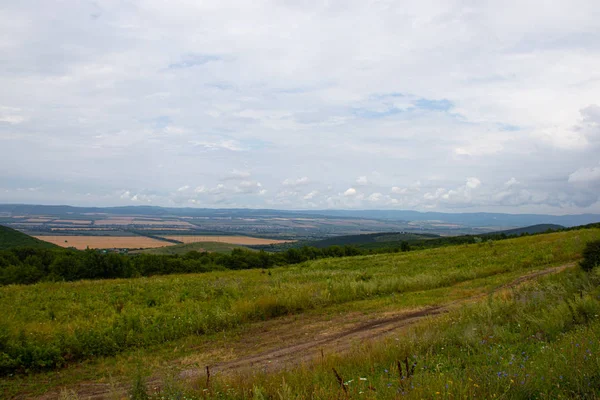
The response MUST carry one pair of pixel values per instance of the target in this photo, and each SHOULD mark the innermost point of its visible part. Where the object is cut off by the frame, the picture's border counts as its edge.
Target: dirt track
(299, 350)
(298, 353)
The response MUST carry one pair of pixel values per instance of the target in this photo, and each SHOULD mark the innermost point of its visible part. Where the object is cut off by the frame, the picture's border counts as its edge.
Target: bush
(591, 256)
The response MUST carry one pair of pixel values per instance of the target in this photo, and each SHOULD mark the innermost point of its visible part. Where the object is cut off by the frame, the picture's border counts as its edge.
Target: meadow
(51, 325)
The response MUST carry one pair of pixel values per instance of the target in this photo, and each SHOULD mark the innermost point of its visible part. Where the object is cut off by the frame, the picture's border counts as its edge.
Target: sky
(455, 106)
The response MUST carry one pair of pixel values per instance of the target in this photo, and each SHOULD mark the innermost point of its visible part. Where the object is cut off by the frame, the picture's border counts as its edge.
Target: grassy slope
(114, 315)
(540, 228)
(541, 341)
(371, 239)
(10, 238)
(180, 249)
(159, 309)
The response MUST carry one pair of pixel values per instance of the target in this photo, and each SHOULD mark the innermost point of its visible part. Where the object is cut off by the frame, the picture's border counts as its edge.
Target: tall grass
(542, 341)
(50, 324)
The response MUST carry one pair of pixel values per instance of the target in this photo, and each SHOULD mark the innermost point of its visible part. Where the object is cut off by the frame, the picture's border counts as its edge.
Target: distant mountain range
(465, 219)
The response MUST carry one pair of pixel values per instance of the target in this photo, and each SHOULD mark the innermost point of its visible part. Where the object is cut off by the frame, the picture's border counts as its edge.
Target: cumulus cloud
(310, 195)
(248, 186)
(350, 192)
(473, 183)
(375, 197)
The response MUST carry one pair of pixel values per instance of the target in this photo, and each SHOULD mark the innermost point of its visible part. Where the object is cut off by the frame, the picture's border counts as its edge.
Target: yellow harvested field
(131, 221)
(72, 221)
(114, 221)
(105, 242)
(38, 220)
(242, 240)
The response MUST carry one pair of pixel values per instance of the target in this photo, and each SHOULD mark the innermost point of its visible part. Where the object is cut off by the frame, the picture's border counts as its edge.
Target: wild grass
(541, 341)
(47, 325)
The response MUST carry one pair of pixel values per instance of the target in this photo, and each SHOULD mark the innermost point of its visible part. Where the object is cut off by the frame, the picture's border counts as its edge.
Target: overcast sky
(429, 105)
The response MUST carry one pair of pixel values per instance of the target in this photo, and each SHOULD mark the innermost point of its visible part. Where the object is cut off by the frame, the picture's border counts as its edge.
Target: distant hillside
(372, 240)
(10, 238)
(180, 249)
(540, 228)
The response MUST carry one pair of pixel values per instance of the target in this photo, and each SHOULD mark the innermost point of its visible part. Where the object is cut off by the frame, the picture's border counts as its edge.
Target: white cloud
(585, 175)
(511, 182)
(350, 192)
(375, 197)
(11, 115)
(473, 183)
(311, 195)
(296, 182)
(362, 181)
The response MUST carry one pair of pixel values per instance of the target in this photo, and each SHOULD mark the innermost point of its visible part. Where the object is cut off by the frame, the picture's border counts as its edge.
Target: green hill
(10, 238)
(372, 240)
(180, 249)
(540, 228)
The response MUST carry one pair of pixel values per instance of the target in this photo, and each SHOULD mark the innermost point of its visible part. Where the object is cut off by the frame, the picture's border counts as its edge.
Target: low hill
(372, 240)
(180, 249)
(540, 228)
(10, 238)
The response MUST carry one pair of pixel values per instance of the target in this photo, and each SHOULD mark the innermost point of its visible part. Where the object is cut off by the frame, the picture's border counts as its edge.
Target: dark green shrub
(591, 256)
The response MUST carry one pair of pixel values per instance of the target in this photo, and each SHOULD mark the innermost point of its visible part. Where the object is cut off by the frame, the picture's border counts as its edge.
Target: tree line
(31, 265)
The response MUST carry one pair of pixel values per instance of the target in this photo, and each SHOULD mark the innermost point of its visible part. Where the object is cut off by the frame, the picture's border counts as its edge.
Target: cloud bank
(444, 105)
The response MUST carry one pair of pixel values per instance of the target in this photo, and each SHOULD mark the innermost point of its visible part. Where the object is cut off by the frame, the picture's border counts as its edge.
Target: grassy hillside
(181, 249)
(512, 344)
(372, 240)
(142, 312)
(533, 229)
(10, 238)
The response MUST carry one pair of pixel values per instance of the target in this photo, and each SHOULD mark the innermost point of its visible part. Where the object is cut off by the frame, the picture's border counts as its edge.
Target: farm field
(178, 324)
(104, 242)
(241, 240)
